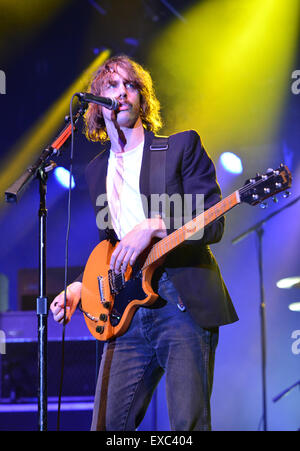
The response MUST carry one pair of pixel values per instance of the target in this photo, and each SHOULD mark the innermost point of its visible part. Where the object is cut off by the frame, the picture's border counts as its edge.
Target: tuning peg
(263, 205)
(286, 194)
(274, 199)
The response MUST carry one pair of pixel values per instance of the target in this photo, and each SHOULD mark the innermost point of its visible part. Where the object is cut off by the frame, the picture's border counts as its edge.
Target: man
(178, 334)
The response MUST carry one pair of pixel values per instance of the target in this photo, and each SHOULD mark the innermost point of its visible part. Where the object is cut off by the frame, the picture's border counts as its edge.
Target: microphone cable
(66, 265)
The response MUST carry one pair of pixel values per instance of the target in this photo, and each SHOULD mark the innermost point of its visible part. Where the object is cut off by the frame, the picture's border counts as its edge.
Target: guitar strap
(158, 156)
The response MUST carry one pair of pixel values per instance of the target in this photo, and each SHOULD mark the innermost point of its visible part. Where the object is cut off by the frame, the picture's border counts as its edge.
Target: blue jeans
(160, 339)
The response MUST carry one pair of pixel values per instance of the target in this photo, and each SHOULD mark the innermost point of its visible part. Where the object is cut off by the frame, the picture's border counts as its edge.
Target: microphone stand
(39, 170)
(259, 230)
(285, 392)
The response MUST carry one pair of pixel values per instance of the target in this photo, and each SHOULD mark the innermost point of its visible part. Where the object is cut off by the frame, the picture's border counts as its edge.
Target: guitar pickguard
(131, 291)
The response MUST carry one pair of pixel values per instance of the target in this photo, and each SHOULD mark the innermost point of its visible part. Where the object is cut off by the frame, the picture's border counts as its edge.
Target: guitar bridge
(101, 290)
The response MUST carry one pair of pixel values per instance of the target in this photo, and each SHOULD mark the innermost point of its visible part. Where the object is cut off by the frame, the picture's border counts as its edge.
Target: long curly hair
(95, 129)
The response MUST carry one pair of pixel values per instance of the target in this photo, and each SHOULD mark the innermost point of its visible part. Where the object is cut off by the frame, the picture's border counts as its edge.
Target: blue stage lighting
(63, 177)
(231, 162)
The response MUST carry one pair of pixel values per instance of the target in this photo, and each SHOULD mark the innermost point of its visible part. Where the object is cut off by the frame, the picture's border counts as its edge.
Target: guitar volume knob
(103, 317)
(100, 329)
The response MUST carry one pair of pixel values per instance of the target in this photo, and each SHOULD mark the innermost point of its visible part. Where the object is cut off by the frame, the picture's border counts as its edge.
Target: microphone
(111, 104)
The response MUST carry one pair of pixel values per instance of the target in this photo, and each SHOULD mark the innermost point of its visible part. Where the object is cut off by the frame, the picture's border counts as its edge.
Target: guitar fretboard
(170, 242)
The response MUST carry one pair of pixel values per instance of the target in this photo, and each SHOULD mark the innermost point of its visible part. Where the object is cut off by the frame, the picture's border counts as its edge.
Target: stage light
(289, 282)
(132, 41)
(63, 177)
(231, 162)
(294, 307)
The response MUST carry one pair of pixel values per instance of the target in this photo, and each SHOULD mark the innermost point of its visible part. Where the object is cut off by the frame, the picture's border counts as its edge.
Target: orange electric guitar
(109, 300)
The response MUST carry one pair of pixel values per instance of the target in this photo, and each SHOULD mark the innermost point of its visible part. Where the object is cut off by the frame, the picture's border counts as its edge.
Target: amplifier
(28, 284)
(19, 363)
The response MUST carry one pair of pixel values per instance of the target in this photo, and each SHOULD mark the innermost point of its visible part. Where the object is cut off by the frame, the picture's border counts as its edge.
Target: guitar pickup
(116, 281)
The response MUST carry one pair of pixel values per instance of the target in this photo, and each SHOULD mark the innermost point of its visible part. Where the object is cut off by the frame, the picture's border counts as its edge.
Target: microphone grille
(114, 104)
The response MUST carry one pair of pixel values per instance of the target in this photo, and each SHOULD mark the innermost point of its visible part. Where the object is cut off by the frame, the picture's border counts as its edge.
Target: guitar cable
(66, 265)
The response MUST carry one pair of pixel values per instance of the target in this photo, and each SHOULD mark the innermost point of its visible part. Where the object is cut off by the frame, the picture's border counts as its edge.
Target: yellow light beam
(37, 138)
(228, 70)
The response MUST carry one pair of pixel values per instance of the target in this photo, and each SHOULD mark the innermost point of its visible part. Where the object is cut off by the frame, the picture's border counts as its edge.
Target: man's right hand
(73, 298)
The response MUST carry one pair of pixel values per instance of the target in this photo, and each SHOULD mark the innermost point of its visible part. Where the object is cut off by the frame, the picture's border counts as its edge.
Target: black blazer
(191, 267)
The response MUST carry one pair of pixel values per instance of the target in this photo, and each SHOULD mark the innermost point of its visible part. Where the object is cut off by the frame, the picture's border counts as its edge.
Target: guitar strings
(249, 185)
(197, 219)
(169, 238)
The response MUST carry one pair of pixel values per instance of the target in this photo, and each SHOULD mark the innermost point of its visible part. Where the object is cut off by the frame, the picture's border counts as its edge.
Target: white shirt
(127, 211)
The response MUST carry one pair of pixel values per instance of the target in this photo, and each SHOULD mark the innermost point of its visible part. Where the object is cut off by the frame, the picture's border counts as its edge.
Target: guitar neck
(170, 242)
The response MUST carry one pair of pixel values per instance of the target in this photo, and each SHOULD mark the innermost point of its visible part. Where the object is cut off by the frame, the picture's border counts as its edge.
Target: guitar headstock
(263, 186)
